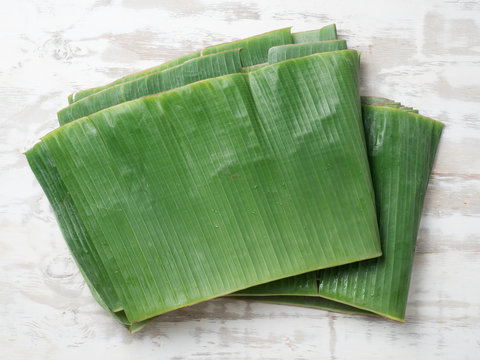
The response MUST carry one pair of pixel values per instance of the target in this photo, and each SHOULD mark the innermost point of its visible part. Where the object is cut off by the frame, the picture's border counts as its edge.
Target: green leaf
(401, 148)
(255, 52)
(216, 186)
(306, 284)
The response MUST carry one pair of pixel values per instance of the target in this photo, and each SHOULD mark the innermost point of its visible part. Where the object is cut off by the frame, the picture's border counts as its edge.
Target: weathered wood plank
(424, 54)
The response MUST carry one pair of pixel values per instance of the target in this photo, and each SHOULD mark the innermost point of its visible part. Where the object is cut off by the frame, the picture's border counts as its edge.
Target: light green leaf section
(326, 33)
(216, 186)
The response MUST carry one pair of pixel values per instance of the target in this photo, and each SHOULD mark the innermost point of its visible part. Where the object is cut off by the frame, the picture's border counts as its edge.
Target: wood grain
(423, 54)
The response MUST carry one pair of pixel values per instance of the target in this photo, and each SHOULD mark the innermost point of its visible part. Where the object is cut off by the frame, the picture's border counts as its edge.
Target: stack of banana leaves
(252, 169)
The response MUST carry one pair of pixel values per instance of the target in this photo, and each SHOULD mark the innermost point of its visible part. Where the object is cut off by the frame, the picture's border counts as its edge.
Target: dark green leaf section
(255, 52)
(326, 33)
(285, 52)
(218, 185)
(227, 62)
(401, 147)
(314, 302)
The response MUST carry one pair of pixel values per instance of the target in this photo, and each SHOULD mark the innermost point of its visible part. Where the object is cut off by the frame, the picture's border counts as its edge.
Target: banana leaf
(255, 52)
(197, 192)
(401, 148)
(280, 53)
(223, 63)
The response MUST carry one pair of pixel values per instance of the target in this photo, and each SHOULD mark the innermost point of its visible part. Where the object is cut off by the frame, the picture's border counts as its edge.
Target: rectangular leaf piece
(216, 186)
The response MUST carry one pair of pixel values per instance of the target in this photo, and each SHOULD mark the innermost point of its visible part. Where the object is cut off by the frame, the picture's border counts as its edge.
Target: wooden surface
(425, 54)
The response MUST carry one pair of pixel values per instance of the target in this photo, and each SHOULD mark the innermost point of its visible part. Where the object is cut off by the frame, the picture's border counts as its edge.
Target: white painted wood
(425, 54)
